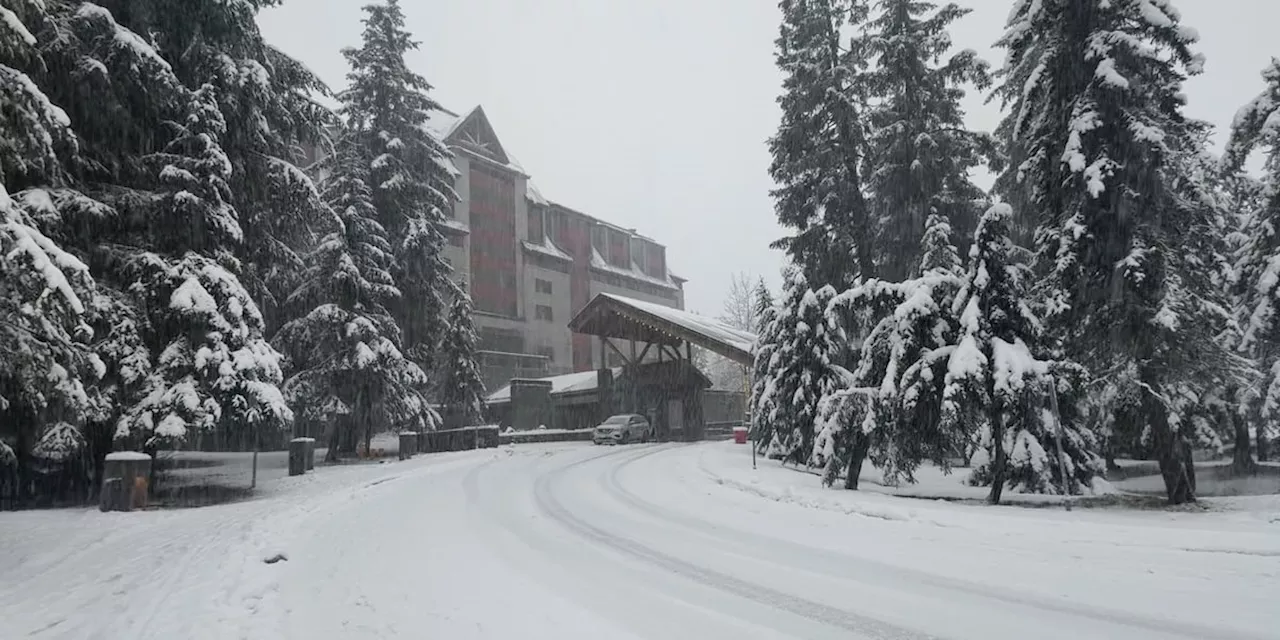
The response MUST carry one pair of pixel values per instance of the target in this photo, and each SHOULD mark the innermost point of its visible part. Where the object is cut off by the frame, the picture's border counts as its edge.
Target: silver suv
(621, 429)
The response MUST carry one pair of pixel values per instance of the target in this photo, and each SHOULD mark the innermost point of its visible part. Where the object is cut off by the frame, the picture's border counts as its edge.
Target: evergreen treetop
(919, 152)
(818, 148)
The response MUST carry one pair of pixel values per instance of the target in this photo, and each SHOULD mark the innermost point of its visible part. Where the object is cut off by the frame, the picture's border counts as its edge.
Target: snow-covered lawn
(568, 540)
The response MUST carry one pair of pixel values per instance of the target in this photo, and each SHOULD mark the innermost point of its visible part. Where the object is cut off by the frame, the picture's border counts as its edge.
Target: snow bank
(128, 456)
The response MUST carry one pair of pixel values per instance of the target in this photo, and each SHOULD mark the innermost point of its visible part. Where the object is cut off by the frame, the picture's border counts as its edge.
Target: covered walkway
(667, 387)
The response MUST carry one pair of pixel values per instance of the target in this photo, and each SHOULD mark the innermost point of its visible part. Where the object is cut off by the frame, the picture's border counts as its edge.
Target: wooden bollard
(297, 456)
(408, 444)
(311, 453)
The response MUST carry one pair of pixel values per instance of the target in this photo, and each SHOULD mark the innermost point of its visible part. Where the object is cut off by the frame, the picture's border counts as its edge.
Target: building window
(553, 223)
(600, 240)
(619, 254)
(638, 254)
(536, 234)
(501, 340)
(543, 312)
(542, 286)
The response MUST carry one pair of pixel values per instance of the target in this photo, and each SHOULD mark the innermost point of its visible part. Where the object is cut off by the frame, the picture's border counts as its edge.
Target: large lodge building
(531, 264)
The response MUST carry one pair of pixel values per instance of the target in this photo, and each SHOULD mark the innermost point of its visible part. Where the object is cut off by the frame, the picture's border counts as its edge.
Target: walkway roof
(613, 316)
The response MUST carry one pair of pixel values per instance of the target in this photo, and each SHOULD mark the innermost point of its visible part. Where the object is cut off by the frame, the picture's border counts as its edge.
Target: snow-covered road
(655, 541)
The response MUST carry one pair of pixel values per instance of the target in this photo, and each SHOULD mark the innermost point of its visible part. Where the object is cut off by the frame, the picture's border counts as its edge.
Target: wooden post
(257, 442)
(311, 453)
(297, 457)
(408, 444)
(1057, 436)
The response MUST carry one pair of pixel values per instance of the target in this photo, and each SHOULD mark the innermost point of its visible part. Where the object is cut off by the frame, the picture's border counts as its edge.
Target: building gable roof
(475, 133)
(613, 316)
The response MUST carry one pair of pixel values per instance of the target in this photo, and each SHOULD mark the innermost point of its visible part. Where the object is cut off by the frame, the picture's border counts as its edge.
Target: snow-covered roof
(443, 123)
(533, 194)
(600, 264)
(456, 225)
(710, 327)
(547, 248)
(560, 385)
(615, 316)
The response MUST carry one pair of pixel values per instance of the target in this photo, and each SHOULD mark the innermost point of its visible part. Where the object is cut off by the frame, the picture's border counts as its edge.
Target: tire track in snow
(901, 578)
(545, 496)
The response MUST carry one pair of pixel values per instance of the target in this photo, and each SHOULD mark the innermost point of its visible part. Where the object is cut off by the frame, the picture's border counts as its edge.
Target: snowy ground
(649, 541)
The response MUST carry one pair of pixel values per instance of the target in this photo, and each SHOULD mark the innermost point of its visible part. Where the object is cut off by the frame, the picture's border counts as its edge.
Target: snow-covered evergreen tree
(1257, 128)
(267, 102)
(1124, 237)
(161, 235)
(345, 347)
(461, 389)
(45, 363)
(819, 144)
(998, 383)
(767, 328)
(387, 105)
(801, 367)
(47, 370)
(213, 368)
(919, 153)
(891, 409)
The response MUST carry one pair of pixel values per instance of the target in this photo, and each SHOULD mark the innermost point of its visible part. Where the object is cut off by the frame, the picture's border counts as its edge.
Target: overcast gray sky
(653, 114)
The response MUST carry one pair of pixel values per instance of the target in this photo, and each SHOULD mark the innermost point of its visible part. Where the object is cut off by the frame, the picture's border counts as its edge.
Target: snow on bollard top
(127, 455)
(740, 429)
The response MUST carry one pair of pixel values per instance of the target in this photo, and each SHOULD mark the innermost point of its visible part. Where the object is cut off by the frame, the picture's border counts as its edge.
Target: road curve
(571, 541)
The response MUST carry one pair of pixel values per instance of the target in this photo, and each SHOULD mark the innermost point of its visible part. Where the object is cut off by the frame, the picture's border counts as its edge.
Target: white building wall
(553, 334)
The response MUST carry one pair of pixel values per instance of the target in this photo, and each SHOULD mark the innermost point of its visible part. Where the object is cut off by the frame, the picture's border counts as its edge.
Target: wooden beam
(674, 353)
(644, 351)
(617, 351)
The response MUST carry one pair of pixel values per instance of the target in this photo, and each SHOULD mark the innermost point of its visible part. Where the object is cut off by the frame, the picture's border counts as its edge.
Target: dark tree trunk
(1112, 467)
(335, 430)
(22, 450)
(1264, 448)
(98, 437)
(856, 457)
(1242, 461)
(1189, 463)
(999, 462)
(1172, 452)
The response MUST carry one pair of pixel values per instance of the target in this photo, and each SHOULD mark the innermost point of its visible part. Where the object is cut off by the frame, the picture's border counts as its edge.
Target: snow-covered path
(656, 541)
